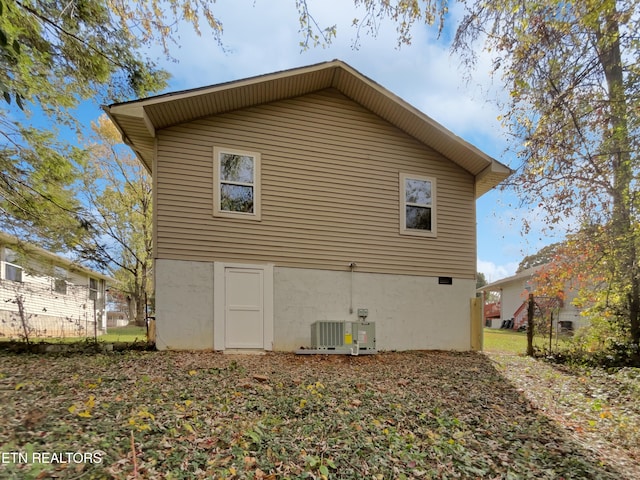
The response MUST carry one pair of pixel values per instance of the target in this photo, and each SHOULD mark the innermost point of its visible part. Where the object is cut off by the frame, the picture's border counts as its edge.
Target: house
(514, 292)
(58, 297)
(492, 310)
(305, 195)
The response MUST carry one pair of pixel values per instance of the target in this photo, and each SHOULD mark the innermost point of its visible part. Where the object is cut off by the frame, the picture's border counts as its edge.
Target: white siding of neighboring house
(569, 312)
(514, 292)
(48, 312)
(512, 297)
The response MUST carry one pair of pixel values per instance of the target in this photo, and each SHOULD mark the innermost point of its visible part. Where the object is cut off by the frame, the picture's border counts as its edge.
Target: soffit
(139, 120)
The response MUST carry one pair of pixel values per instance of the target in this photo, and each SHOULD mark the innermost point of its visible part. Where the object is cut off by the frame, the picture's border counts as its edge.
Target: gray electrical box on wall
(363, 312)
(365, 334)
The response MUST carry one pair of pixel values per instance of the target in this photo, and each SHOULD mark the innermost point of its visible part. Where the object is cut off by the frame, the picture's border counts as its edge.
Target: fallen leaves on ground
(412, 415)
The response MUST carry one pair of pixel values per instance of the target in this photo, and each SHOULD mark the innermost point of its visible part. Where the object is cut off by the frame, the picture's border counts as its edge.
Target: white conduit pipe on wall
(352, 265)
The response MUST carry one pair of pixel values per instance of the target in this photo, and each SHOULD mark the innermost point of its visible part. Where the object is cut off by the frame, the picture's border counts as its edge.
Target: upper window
(417, 205)
(12, 271)
(93, 289)
(237, 183)
(60, 280)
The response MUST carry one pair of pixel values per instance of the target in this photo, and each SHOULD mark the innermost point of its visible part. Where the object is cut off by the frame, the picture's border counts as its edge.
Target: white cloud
(262, 37)
(494, 272)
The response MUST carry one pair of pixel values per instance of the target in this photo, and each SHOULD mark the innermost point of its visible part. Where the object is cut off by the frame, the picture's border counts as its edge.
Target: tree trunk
(131, 309)
(531, 308)
(141, 318)
(619, 148)
(634, 310)
(136, 299)
(141, 295)
(23, 318)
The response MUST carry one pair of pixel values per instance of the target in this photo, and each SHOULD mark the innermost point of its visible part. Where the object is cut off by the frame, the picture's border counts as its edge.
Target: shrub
(605, 343)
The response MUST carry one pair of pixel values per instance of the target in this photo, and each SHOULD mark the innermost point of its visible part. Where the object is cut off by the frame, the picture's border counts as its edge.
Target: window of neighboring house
(60, 280)
(237, 183)
(12, 271)
(417, 205)
(93, 289)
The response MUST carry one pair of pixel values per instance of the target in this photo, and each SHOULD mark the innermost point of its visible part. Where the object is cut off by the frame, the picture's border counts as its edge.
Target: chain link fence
(47, 310)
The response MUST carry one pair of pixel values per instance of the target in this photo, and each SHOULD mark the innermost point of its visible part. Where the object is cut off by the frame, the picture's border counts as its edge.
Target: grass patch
(510, 341)
(128, 334)
(505, 341)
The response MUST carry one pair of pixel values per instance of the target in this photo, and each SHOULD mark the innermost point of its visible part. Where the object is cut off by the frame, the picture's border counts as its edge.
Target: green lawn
(128, 334)
(508, 341)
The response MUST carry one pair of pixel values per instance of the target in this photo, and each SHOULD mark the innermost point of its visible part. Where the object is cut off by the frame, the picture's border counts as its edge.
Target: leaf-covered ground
(389, 416)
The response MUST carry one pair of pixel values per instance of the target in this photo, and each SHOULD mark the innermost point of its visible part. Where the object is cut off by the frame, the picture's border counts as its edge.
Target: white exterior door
(244, 308)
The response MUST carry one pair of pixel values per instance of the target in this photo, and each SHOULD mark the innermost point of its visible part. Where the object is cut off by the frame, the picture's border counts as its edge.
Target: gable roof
(139, 120)
(527, 274)
(29, 249)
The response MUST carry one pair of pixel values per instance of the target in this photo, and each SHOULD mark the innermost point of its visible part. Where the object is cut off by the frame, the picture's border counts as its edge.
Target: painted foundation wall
(410, 312)
(184, 305)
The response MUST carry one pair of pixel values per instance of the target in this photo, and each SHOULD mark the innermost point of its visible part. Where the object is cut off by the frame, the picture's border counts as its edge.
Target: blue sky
(261, 36)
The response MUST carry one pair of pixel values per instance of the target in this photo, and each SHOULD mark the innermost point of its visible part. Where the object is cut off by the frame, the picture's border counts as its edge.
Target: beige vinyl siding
(330, 192)
(145, 147)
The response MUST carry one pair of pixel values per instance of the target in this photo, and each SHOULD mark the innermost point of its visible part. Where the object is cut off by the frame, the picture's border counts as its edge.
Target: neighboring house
(492, 310)
(58, 297)
(117, 319)
(306, 195)
(514, 293)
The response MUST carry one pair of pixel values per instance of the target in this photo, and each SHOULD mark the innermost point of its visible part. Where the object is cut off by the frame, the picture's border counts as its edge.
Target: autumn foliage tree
(572, 72)
(55, 54)
(117, 196)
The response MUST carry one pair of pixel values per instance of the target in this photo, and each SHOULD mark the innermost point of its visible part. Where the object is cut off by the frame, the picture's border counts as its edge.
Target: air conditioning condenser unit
(355, 338)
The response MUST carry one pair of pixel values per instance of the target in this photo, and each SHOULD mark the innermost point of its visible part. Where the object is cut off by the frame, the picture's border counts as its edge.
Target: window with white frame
(60, 280)
(237, 183)
(417, 205)
(12, 271)
(93, 289)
